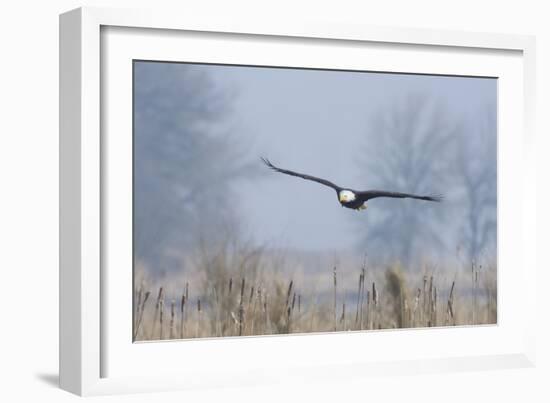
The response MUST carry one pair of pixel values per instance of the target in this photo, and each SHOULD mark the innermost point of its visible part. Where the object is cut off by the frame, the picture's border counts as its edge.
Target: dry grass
(231, 294)
(226, 306)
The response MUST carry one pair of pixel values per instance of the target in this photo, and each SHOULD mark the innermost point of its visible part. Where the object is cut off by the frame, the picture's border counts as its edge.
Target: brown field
(244, 293)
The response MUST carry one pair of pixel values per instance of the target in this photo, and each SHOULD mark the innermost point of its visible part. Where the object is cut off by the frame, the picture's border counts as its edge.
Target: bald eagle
(350, 198)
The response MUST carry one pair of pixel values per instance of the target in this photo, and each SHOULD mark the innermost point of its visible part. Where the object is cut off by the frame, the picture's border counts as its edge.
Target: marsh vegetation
(245, 292)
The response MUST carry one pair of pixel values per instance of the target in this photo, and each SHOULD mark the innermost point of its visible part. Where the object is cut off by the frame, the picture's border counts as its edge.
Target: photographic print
(275, 200)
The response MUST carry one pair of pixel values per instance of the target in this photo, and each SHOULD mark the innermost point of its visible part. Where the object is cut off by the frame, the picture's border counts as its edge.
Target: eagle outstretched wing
(303, 176)
(371, 194)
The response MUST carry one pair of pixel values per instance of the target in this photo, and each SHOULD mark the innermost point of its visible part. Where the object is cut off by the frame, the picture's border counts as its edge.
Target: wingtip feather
(436, 198)
(267, 162)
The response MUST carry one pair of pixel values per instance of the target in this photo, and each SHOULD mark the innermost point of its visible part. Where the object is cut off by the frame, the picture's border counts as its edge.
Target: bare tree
(476, 165)
(408, 147)
(186, 158)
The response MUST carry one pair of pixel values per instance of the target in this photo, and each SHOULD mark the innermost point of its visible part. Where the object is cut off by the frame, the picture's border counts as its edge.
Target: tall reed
(182, 315)
(450, 310)
(157, 308)
(161, 316)
(198, 331)
(140, 318)
(172, 318)
(335, 295)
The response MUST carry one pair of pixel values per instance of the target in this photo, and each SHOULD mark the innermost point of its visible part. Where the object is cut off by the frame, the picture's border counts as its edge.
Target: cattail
(343, 318)
(261, 291)
(250, 300)
(138, 305)
(406, 313)
(140, 319)
(254, 303)
(266, 312)
(198, 332)
(241, 308)
(362, 291)
(362, 297)
(473, 292)
(157, 307)
(230, 303)
(375, 305)
(288, 293)
(217, 312)
(423, 311)
(434, 309)
(172, 316)
(186, 299)
(289, 311)
(241, 319)
(416, 303)
(368, 310)
(288, 324)
(182, 314)
(242, 291)
(299, 303)
(161, 317)
(450, 312)
(428, 307)
(335, 294)
(430, 295)
(358, 299)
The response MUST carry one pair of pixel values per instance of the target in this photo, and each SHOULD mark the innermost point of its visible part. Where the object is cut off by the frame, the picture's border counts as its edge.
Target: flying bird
(353, 199)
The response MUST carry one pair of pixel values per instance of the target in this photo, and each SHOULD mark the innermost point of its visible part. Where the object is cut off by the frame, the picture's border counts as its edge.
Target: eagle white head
(346, 196)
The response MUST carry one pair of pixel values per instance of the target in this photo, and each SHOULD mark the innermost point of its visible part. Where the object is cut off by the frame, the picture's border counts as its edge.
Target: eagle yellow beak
(342, 199)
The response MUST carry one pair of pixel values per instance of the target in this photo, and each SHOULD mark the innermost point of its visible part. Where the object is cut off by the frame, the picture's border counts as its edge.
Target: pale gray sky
(316, 122)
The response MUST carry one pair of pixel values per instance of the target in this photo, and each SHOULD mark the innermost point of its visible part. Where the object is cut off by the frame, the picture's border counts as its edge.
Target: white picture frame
(96, 354)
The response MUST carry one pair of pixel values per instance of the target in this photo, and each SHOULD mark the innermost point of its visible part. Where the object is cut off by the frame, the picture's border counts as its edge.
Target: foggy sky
(315, 122)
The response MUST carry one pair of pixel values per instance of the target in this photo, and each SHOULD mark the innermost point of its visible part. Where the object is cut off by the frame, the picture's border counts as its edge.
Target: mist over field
(212, 221)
